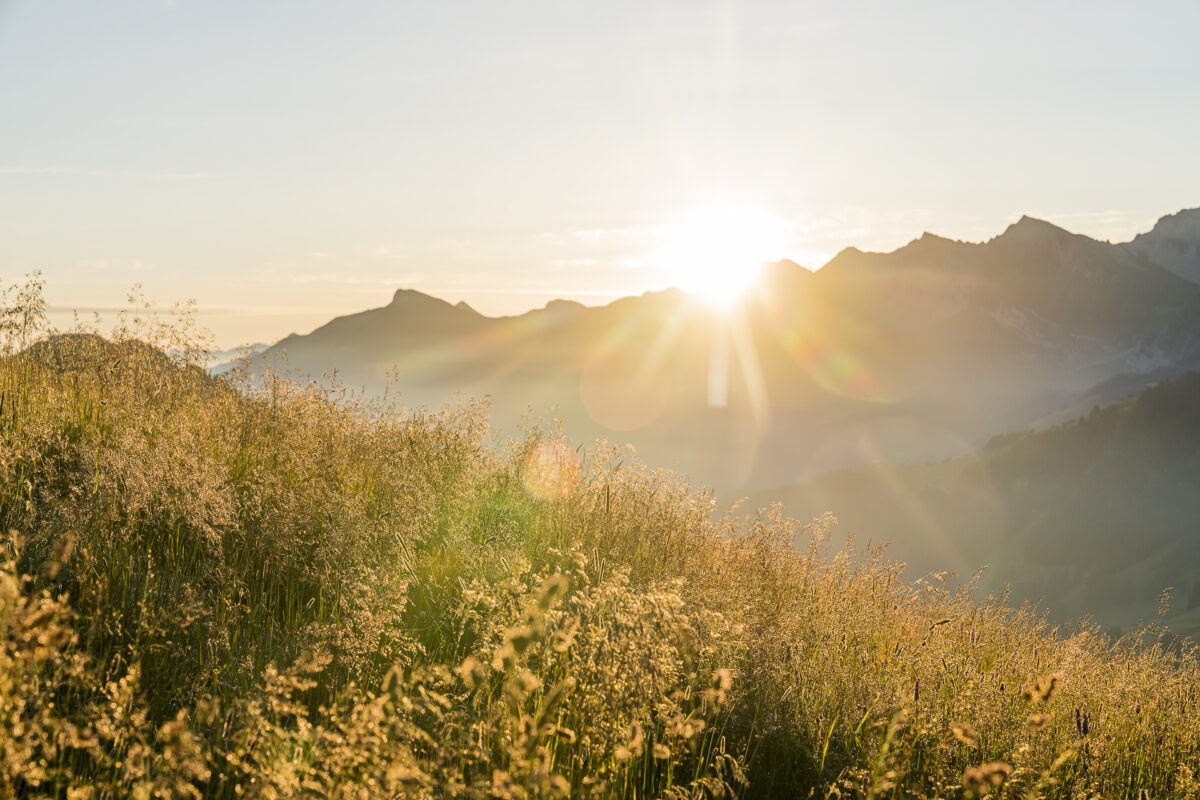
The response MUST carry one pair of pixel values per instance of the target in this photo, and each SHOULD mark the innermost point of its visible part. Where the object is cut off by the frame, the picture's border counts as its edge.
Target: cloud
(101, 264)
(602, 236)
(202, 310)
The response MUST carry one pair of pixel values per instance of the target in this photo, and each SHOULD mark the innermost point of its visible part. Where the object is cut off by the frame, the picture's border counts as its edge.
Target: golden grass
(271, 590)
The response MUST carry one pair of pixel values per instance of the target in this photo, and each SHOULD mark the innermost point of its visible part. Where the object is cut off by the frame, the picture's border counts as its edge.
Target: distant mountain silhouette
(916, 354)
(1097, 515)
(220, 359)
(1174, 243)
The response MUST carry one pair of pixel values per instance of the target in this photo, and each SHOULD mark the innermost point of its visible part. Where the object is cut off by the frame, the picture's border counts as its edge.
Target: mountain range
(922, 353)
(1097, 515)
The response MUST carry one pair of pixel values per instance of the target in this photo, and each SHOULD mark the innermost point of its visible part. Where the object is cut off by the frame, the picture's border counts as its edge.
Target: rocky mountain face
(1174, 243)
(917, 354)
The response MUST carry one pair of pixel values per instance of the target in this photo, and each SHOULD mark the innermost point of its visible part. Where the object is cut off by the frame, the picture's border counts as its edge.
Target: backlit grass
(266, 589)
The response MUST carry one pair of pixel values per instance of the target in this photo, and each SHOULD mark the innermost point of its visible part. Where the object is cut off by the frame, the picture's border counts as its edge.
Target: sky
(285, 162)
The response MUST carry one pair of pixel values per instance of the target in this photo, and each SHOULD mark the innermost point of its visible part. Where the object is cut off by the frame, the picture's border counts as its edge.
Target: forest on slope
(1097, 515)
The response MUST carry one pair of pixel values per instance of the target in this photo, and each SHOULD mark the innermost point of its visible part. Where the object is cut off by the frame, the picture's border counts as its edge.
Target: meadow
(261, 588)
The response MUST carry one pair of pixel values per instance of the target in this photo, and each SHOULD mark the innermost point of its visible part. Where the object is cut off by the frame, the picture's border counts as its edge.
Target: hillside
(1096, 515)
(918, 354)
(215, 593)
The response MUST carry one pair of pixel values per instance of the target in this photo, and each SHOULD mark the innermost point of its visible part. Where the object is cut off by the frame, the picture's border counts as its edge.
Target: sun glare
(717, 253)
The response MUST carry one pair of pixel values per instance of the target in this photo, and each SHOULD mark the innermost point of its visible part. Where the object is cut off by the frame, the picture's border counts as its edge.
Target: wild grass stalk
(262, 588)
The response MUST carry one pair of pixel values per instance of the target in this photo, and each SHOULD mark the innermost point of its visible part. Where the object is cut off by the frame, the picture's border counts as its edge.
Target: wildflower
(208, 710)
(637, 739)
(965, 733)
(553, 589)
(1042, 691)
(1038, 722)
(62, 553)
(553, 698)
(503, 785)
(505, 657)
(992, 775)
(565, 637)
(471, 672)
(521, 637)
(1164, 601)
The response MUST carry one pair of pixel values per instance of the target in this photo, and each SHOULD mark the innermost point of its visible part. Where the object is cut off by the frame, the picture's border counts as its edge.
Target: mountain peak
(848, 259)
(785, 269)
(1180, 225)
(928, 244)
(851, 253)
(1028, 223)
(1029, 228)
(403, 296)
(560, 306)
(411, 299)
(463, 305)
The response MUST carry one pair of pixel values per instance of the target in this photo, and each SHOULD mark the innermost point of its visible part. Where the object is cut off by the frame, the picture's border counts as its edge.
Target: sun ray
(751, 369)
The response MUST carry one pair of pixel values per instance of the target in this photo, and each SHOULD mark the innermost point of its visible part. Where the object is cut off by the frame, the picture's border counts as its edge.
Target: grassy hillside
(282, 593)
(1097, 515)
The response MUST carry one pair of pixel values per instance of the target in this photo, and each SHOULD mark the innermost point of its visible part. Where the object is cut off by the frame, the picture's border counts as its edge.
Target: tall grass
(260, 588)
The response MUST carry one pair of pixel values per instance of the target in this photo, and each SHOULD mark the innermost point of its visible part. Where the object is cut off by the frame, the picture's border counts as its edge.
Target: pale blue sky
(282, 162)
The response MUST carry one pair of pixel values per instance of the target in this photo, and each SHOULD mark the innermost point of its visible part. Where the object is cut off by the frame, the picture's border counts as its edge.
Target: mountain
(1174, 243)
(219, 360)
(1097, 515)
(917, 354)
(1036, 291)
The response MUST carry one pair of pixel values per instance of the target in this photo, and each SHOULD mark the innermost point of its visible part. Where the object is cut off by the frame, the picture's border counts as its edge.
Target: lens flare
(551, 471)
(836, 359)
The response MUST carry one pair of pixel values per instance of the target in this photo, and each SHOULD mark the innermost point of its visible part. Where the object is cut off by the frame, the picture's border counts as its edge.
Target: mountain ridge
(921, 353)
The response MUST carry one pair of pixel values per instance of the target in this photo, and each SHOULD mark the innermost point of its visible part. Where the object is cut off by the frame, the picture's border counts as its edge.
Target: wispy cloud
(345, 280)
(102, 264)
(204, 310)
(603, 236)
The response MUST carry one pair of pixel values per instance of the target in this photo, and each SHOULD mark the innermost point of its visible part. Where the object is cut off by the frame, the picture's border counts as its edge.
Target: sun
(717, 253)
